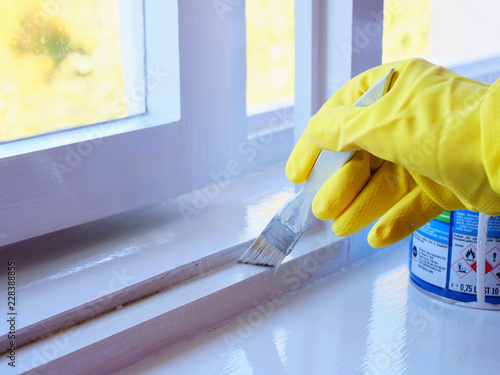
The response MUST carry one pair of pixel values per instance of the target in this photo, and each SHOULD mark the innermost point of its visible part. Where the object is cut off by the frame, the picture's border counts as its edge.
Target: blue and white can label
(443, 256)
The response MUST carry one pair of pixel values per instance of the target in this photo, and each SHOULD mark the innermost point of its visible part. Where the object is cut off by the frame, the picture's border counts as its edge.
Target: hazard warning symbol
(492, 259)
(461, 267)
(469, 256)
(464, 255)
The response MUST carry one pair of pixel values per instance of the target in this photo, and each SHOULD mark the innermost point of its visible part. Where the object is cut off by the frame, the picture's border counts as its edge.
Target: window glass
(445, 32)
(270, 54)
(62, 66)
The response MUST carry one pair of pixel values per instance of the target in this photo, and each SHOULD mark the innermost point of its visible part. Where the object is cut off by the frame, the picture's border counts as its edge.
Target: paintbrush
(291, 221)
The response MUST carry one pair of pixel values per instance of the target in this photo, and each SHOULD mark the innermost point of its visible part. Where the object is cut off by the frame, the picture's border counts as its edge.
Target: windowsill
(77, 274)
(368, 319)
(129, 251)
(483, 70)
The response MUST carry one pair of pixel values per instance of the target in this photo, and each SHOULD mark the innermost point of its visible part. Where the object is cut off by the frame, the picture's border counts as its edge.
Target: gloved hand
(430, 144)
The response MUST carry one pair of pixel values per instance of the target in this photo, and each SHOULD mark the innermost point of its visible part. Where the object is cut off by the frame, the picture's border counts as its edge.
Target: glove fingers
(387, 186)
(342, 187)
(301, 160)
(410, 213)
(438, 193)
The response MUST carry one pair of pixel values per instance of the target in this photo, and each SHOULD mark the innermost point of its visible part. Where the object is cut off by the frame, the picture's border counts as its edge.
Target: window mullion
(306, 63)
(335, 40)
(238, 55)
(367, 28)
(132, 49)
(212, 86)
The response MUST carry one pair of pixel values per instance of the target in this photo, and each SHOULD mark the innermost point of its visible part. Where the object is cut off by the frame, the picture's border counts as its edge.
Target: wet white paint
(103, 258)
(367, 319)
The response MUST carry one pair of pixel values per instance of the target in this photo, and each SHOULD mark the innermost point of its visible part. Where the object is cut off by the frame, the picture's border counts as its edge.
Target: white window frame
(55, 181)
(327, 57)
(174, 157)
(59, 180)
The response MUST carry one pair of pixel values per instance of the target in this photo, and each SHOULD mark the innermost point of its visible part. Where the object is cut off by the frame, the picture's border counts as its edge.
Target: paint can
(443, 257)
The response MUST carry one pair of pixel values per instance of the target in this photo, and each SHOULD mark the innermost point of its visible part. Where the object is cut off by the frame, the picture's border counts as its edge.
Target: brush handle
(297, 210)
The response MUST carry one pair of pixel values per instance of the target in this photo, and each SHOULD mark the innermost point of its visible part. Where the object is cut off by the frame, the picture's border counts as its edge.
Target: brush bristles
(262, 253)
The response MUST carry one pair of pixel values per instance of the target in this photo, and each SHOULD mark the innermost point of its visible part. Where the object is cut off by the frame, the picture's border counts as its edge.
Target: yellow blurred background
(270, 52)
(406, 29)
(61, 65)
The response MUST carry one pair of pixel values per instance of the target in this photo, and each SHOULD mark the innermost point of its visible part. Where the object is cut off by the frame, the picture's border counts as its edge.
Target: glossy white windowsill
(368, 319)
(81, 272)
(109, 271)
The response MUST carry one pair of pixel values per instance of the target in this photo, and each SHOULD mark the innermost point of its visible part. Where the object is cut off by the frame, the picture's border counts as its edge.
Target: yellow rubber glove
(430, 144)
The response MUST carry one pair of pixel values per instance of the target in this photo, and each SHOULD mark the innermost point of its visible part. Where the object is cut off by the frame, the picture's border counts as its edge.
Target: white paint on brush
(482, 237)
(284, 230)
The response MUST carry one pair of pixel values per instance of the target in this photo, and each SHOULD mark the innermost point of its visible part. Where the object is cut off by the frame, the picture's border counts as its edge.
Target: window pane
(62, 65)
(270, 54)
(446, 32)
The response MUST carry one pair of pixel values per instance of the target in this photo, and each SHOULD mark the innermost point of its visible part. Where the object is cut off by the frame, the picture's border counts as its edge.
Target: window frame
(87, 173)
(268, 144)
(92, 172)
(326, 56)
(315, 84)
(84, 174)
